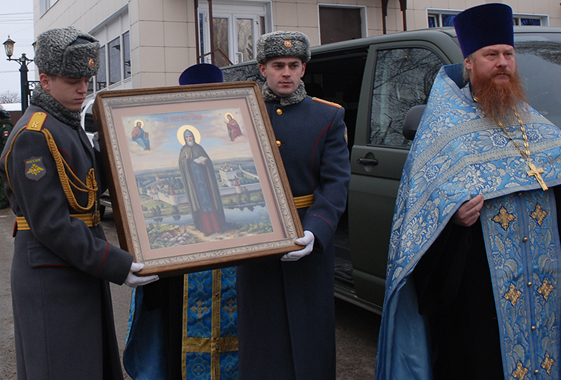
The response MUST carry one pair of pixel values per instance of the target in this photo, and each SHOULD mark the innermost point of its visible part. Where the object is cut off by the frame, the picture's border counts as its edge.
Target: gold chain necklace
(534, 171)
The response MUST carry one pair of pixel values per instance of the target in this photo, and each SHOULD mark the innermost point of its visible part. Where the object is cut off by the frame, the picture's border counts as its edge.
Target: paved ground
(357, 329)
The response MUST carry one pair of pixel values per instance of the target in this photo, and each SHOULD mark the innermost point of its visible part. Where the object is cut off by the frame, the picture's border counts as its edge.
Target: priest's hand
(133, 280)
(307, 241)
(468, 213)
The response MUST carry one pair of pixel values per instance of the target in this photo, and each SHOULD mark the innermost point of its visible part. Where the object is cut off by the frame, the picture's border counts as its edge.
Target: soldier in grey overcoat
(286, 317)
(62, 263)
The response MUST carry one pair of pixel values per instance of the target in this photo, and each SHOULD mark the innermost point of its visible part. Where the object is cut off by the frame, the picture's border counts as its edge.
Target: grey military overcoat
(61, 269)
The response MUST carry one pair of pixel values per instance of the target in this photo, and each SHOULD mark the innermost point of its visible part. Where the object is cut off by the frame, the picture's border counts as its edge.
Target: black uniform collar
(294, 98)
(45, 101)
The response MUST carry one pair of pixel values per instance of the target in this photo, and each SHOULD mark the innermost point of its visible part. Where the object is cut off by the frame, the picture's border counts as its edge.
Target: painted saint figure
(233, 127)
(140, 136)
(201, 187)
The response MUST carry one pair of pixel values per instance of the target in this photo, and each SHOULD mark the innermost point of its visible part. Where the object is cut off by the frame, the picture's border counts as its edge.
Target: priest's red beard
(498, 100)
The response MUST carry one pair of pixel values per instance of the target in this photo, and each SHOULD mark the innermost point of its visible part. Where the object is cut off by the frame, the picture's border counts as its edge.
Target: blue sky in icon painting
(165, 132)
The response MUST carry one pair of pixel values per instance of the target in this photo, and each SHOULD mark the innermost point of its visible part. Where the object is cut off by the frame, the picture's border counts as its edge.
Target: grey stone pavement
(357, 329)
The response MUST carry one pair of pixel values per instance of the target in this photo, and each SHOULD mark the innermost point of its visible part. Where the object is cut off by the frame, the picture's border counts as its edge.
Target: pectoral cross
(537, 172)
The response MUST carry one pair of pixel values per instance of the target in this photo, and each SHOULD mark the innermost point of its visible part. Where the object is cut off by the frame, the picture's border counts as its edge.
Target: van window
(338, 78)
(403, 79)
(539, 64)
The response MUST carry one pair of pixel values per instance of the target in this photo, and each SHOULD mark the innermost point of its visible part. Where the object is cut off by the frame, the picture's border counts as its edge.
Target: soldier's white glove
(307, 241)
(95, 142)
(133, 280)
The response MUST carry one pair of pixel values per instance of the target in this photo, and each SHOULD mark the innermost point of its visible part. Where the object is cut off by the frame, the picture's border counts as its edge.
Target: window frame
(115, 27)
(437, 14)
(45, 5)
(259, 12)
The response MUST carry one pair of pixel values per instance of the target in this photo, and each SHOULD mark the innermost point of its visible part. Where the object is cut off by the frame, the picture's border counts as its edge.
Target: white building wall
(163, 36)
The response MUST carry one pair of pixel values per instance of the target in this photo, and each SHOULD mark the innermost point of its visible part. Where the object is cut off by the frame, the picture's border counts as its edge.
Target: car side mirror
(411, 121)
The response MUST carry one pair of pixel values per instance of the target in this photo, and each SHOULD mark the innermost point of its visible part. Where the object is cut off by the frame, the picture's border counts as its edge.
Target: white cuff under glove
(308, 241)
(95, 141)
(133, 280)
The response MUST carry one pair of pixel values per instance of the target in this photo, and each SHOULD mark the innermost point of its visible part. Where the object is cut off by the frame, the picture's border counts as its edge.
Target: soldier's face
(283, 74)
(69, 92)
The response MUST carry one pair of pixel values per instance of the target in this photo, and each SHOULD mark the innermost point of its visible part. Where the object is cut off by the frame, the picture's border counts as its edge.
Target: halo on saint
(182, 129)
(228, 114)
(139, 121)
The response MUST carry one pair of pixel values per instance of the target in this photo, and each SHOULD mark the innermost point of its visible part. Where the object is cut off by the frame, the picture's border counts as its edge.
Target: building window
(340, 23)
(527, 21)
(115, 54)
(101, 77)
(45, 5)
(438, 18)
(126, 55)
(236, 28)
(114, 61)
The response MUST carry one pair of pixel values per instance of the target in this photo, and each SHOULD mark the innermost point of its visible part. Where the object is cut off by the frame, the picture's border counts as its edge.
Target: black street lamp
(23, 61)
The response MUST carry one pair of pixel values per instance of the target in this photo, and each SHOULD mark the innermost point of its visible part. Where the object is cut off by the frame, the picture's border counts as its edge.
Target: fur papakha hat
(283, 44)
(67, 52)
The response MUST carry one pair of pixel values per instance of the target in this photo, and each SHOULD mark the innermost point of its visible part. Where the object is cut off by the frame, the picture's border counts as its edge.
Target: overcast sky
(16, 21)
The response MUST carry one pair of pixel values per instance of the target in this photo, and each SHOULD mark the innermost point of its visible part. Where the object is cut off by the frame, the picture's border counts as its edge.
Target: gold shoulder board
(36, 122)
(326, 102)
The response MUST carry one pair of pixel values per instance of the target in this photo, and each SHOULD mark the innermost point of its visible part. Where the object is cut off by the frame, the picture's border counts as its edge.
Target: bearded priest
(473, 268)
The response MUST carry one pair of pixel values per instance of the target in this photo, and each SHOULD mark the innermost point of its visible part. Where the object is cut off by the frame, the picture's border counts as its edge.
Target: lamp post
(23, 61)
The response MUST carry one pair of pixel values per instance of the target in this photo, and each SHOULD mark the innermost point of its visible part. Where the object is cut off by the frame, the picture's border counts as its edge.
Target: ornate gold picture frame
(197, 181)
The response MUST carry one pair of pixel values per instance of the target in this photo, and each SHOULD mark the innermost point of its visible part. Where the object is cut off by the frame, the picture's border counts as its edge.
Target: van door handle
(367, 161)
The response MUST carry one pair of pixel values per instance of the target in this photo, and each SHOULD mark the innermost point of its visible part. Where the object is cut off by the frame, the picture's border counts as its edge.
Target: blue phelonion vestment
(457, 154)
(206, 335)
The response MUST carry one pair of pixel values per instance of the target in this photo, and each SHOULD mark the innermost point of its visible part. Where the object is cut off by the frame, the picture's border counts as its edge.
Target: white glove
(133, 280)
(308, 241)
(95, 142)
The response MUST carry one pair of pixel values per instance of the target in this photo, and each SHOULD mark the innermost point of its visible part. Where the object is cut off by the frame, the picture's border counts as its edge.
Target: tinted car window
(539, 65)
(403, 79)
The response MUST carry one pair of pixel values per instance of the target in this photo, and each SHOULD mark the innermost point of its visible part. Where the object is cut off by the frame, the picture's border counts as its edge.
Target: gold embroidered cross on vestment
(503, 218)
(539, 214)
(513, 294)
(548, 363)
(545, 289)
(520, 372)
(199, 309)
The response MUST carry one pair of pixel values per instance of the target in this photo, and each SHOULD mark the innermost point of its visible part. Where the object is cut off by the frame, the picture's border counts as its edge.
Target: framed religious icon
(197, 179)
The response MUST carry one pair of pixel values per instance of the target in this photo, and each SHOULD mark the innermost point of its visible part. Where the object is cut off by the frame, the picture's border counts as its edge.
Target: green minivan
(378, 80)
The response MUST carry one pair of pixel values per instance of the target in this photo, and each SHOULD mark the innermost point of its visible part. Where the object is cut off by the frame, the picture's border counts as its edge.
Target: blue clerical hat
(201, 73)
(484, 25)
